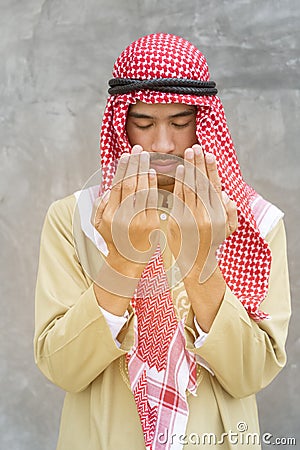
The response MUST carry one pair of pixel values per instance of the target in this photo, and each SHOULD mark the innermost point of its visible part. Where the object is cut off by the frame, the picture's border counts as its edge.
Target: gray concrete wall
(56, 57)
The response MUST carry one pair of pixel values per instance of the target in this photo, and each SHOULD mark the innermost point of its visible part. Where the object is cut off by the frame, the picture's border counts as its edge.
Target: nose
(163, 140)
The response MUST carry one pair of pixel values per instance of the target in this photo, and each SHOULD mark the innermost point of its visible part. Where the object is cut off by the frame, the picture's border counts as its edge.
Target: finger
(98, 209)
(202, 182)
(152, 200)
(116, 190)
(231, 212)
(199, 158)
(136, 149)
(189, 188)
(178, 195)
(121, 168)
(142, 182)
(129, 182)
(215, 187)
(151, 208)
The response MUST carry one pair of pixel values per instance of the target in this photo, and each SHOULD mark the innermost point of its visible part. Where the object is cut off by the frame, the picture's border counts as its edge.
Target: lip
(162, 166)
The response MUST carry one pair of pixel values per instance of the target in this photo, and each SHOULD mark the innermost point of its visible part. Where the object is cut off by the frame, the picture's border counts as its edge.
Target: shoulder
(82, 200)
(62, 209)
(277, 235)
(63, 206)
(267, 215)
(71, 217)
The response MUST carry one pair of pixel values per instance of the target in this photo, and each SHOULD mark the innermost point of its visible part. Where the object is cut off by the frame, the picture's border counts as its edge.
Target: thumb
(98, 209)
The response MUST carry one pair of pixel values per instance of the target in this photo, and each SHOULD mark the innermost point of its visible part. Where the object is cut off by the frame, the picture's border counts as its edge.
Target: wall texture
(56, 57)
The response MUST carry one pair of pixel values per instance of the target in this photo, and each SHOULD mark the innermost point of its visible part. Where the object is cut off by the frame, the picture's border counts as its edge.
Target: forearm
(205, 298)
(245, 355)
(73, 343)
(77, 345)
(116, 283)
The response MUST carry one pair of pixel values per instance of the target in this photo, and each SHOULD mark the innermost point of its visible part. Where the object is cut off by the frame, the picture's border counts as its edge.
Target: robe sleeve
(245, 355)
(73, 343)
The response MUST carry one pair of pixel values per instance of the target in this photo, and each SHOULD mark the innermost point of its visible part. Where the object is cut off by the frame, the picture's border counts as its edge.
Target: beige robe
(75, 349)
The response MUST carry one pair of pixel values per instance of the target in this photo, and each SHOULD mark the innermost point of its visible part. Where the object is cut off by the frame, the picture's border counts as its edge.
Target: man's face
(165, 130)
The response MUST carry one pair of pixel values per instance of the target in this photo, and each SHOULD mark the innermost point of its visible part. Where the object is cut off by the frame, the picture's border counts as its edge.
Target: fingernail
(210, 157)
(225, 197)
(124, 157)
(189, 153)
(152, 173)
(136, 149)
(180, 170)
(197, 149)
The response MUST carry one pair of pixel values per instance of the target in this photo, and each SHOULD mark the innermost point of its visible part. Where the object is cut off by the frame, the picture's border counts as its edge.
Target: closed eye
(181, 125)
(143, 127)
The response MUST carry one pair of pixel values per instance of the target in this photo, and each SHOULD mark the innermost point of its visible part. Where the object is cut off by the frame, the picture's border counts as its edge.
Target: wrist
(206, 298)
(211, 292)
(112, 304)
(116, 282)
(124, 266)
(215, 277)
(203, 269)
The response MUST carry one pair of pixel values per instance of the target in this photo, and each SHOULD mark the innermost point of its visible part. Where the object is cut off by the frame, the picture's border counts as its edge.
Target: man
(148, 296)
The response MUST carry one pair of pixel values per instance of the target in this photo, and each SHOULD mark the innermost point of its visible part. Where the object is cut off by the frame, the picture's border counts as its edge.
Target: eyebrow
(137, 115)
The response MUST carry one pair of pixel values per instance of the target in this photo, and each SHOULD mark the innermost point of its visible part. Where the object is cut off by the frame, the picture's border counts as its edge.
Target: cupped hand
(127, 216)
(202, 215)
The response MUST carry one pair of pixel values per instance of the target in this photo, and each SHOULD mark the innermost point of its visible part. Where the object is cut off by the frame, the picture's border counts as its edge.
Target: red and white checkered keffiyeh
(160, 368)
